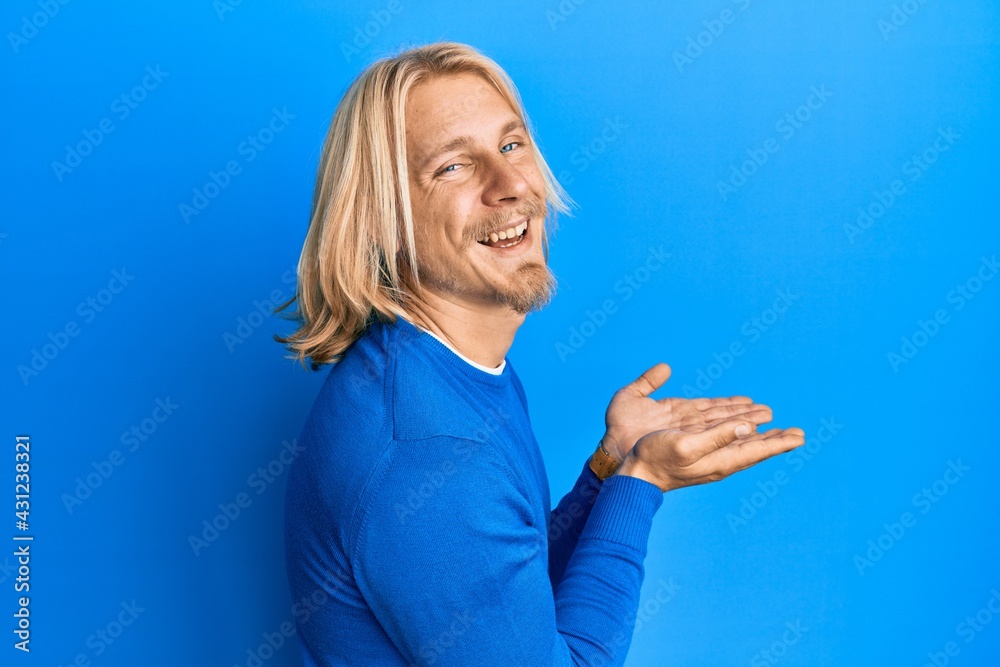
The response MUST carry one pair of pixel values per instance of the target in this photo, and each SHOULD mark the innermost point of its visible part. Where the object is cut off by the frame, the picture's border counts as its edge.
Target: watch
(602, 463)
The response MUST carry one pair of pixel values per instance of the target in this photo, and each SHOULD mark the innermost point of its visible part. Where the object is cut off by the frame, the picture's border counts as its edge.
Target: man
(418, 524)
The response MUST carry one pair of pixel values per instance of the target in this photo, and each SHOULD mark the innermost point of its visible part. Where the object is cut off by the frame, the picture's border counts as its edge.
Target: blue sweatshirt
(418, 528)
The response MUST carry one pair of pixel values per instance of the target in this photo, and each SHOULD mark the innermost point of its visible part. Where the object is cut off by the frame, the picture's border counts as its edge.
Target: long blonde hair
(349, 271)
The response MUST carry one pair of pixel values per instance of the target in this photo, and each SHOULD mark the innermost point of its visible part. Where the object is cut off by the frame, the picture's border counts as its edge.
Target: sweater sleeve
(567, 521)
(446, 555)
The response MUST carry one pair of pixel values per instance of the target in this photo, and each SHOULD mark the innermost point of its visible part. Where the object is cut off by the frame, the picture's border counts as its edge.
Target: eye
(451, 168)
(509, 147)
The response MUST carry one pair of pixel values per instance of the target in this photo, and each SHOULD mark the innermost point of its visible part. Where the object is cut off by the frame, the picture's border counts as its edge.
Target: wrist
(633, 467)
(604, 462)
(613, 445)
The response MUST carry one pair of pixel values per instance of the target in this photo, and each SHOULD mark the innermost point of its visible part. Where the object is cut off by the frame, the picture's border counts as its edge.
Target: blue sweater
(418, 528)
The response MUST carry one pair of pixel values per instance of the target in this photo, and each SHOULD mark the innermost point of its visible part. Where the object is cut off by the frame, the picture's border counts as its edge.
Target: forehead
(445, 106)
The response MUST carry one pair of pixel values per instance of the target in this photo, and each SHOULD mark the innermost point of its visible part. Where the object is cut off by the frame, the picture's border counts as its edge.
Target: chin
(535, 286)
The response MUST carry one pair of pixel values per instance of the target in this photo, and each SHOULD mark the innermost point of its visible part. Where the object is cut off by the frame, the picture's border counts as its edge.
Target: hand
(675, 458)
(632, 414)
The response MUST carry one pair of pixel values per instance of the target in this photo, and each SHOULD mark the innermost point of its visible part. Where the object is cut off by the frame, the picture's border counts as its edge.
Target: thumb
(729, 431)
(651, 380)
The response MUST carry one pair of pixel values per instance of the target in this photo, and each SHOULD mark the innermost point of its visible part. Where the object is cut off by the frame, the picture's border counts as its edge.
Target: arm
(567, 521)
(631, 415)
(462, 581)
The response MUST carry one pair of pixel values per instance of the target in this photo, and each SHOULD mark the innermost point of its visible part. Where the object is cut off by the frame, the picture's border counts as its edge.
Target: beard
(529, 287)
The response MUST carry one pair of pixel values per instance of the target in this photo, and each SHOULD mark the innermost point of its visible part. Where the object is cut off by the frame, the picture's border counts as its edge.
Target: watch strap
(602, 463)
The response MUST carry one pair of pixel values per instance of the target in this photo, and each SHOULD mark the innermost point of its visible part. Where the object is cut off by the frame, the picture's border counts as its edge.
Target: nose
(503, 182)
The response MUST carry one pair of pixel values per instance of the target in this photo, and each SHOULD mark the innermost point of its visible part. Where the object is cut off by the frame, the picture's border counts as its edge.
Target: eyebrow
(465, 140)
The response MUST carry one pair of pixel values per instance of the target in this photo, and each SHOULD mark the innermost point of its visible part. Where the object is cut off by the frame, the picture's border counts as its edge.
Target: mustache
(533, 208)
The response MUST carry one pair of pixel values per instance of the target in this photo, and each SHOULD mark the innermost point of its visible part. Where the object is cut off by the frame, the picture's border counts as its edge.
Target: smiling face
(473, 177)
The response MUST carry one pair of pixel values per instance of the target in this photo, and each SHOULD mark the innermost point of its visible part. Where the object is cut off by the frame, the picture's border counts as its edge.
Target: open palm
(632, 413)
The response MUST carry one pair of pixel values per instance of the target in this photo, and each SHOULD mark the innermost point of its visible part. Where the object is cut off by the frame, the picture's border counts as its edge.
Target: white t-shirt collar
(492, 371)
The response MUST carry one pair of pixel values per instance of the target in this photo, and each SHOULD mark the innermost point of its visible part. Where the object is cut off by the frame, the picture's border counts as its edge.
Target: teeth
(505, 234)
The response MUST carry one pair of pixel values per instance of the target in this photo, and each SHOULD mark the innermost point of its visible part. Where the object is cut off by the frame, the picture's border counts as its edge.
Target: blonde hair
(350, 272)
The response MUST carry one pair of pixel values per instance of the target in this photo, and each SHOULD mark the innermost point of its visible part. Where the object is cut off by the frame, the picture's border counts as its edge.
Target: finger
(699, 445)
(760, 435)
(740, 409)
(755, 437)
(704, 403)
(758, 417)
(651, 380)
(742, 454)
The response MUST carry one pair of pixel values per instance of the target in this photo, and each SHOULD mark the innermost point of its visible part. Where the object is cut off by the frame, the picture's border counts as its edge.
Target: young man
(418, 523)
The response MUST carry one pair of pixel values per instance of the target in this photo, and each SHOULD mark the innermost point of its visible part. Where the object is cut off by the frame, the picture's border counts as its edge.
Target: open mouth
(506, 238)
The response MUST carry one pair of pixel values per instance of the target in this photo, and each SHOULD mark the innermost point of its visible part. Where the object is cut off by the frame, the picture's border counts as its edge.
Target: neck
(483, 333)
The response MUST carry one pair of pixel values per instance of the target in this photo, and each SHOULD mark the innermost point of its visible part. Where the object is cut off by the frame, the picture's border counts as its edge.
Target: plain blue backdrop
(821, 178)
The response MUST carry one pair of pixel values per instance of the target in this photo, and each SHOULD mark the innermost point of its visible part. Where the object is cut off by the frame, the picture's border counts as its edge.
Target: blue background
(641, 138)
